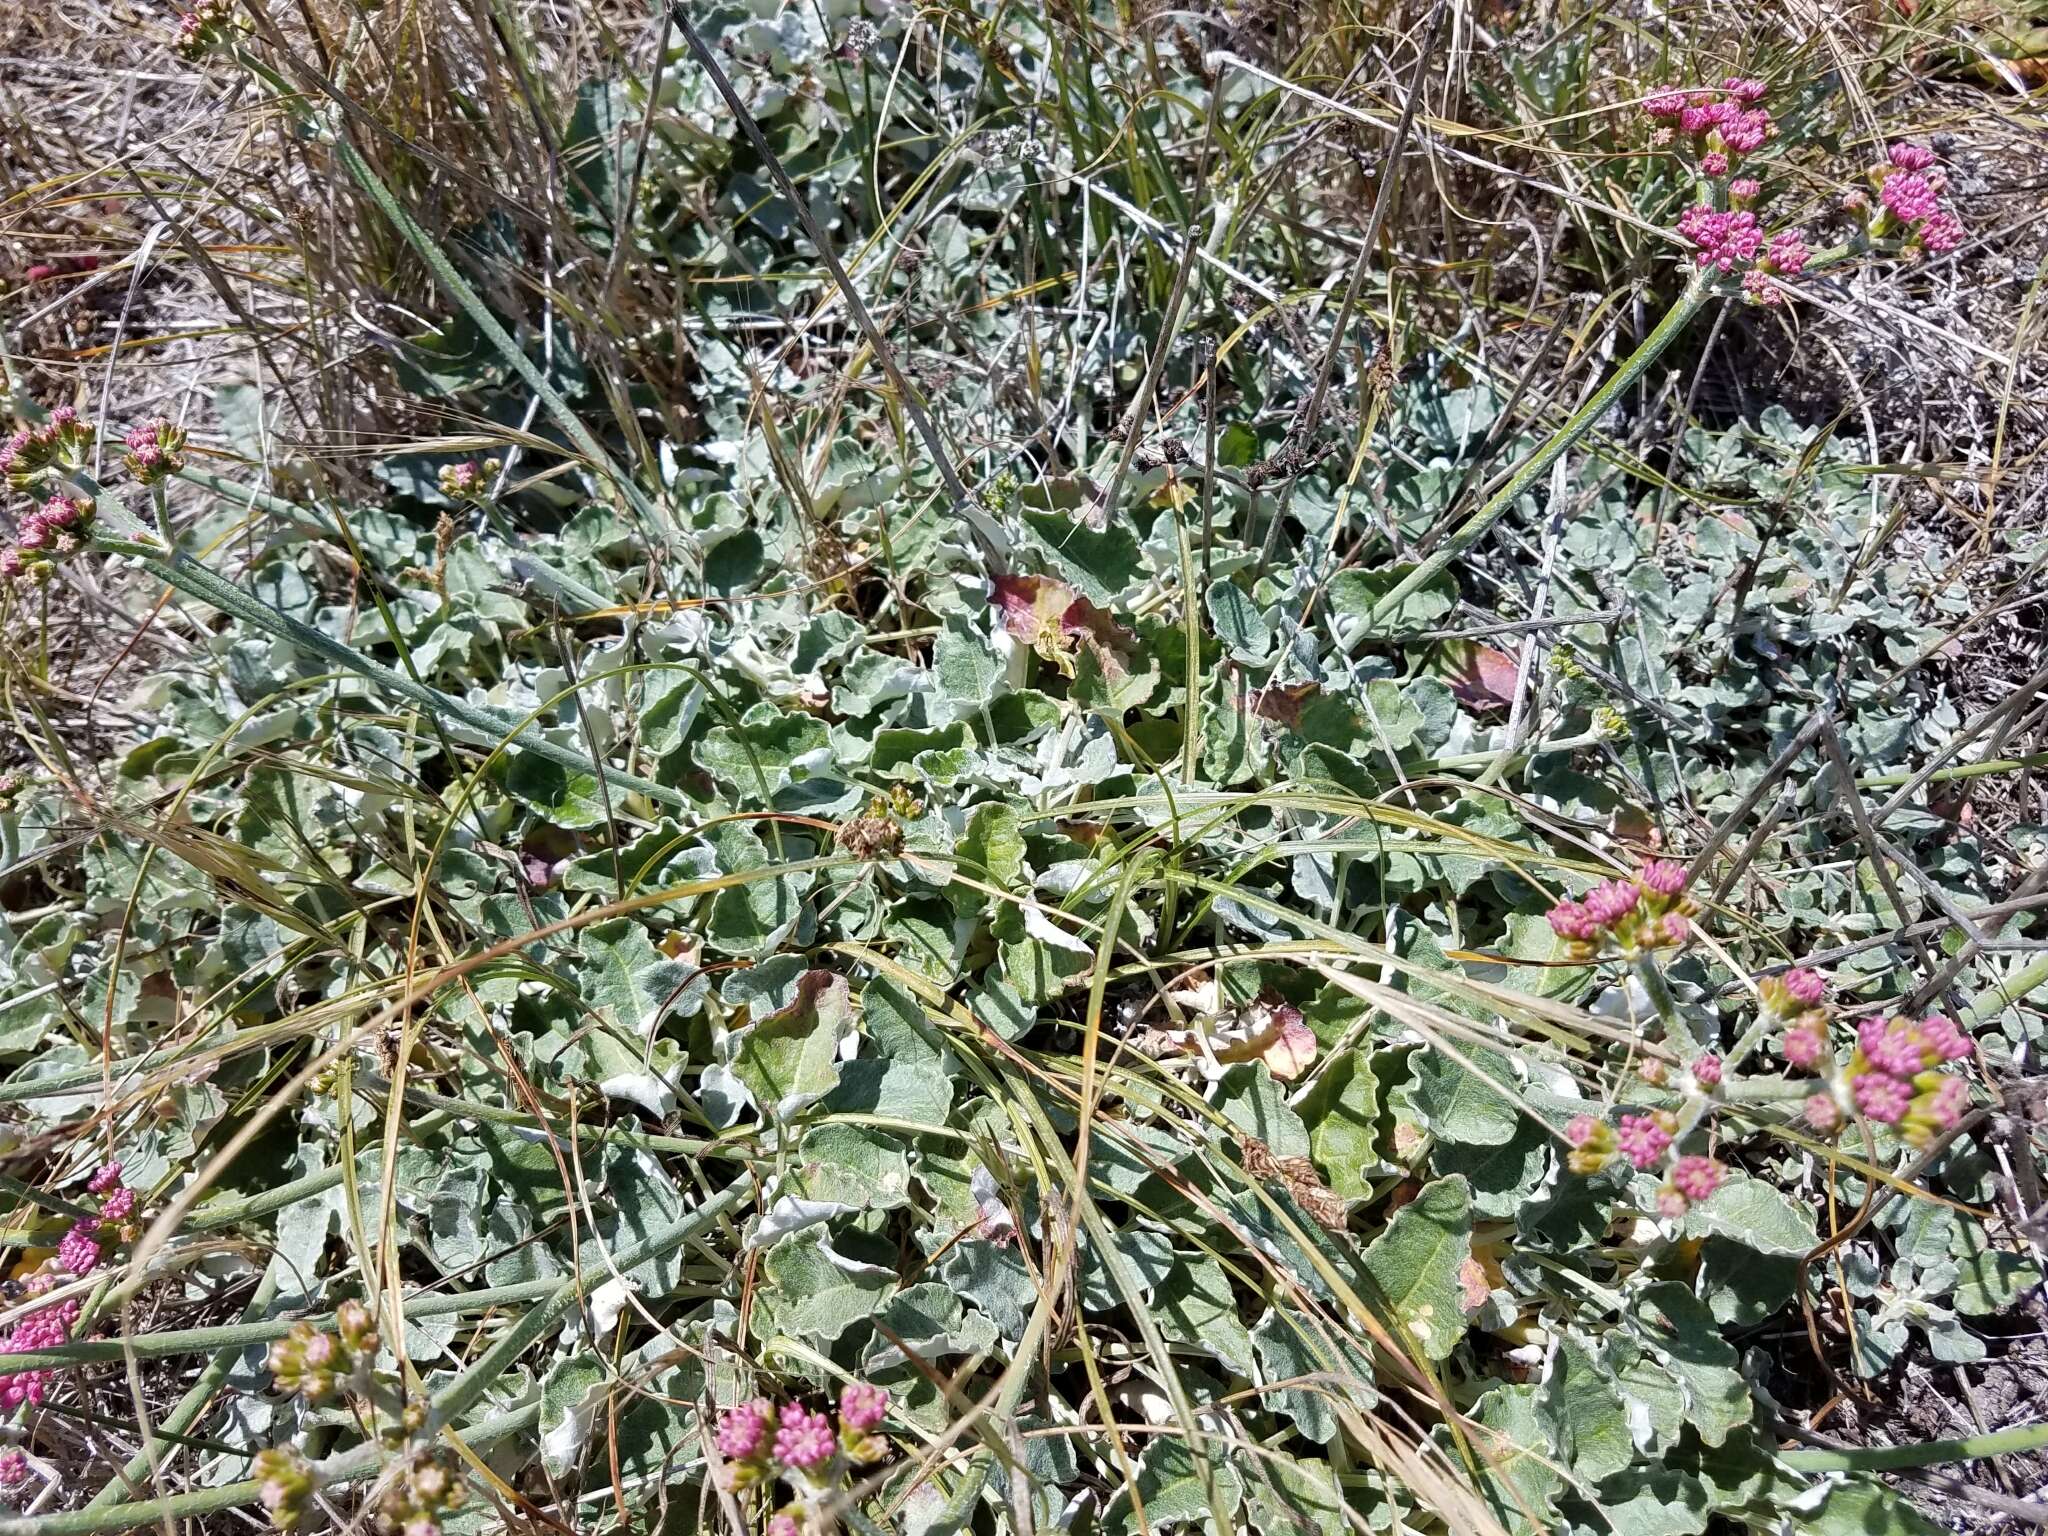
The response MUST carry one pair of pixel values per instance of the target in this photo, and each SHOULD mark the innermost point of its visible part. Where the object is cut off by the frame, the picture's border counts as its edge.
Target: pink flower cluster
(1720, 123)
(1903, 1048)
(44, 1329)
(806, 1446)
(60, 266)
(1642, 1140)
(1646, 1141)
(56, 530)
(204, 28)
(1691, 1179)
(1697, 1177)
(79, 1252)
(1794, 992)
(1909, 193)
(47, 534)
(1726, 240)
(1648, 912)
(1892, 1076)
(34, 453)
(156, 451)
(1732, 240)
(804, 1440)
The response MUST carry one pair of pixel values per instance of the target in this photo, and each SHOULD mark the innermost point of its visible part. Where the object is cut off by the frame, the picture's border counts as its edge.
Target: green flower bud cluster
(429, 1487)
(288, 1481)
(317, 1366)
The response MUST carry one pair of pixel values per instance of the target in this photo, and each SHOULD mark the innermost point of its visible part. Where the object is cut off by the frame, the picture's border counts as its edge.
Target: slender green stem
(1677, 1033)
(1582, 421)
(1995, 1000)
(141, 1467)
(288, 511)
(1927, 1453)
(1768, 1090)
(358, 1464)
(1961, 771)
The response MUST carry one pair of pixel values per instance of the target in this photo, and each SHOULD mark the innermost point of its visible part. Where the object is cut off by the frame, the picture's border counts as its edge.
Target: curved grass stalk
(473, 305)
(1927, 1453)
(143, 1464)
(1582, 421)
(195, 580)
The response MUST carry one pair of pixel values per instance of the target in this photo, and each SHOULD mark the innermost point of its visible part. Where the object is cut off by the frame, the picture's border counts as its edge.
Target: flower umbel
(804, 1440)
(1646, 913)
(317, 1365)
(1909, 207)
(286, 1484)
(156, 451)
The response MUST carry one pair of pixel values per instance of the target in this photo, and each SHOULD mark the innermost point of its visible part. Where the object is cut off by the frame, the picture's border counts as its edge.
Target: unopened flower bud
(285, 1484)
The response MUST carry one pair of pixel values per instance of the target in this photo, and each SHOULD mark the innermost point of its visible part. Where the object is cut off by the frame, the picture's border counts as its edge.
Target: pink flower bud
(1642, 1140)
(1612, 900)
(1881, 1097)
(1823, 1113)
(1908, 197)
(804, 1440)
(1666, 877)
(1746, 132)
(1788, 254)
(1803, 986)
(1805, 1043)
(1910, 157)
(743, 1431)
(1943, 1040)
(1697, 1177)
(862, 1405)
(1570, 920)
(1706, 1071)
(1941, 232)
(79, 1251)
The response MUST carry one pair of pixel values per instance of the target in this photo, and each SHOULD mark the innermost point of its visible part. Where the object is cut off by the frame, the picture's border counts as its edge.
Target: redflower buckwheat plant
(80, 1252)
(422, 1481)
(1890, 1078)
(810, 1452)
(1909, 208)
(1647, 913)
